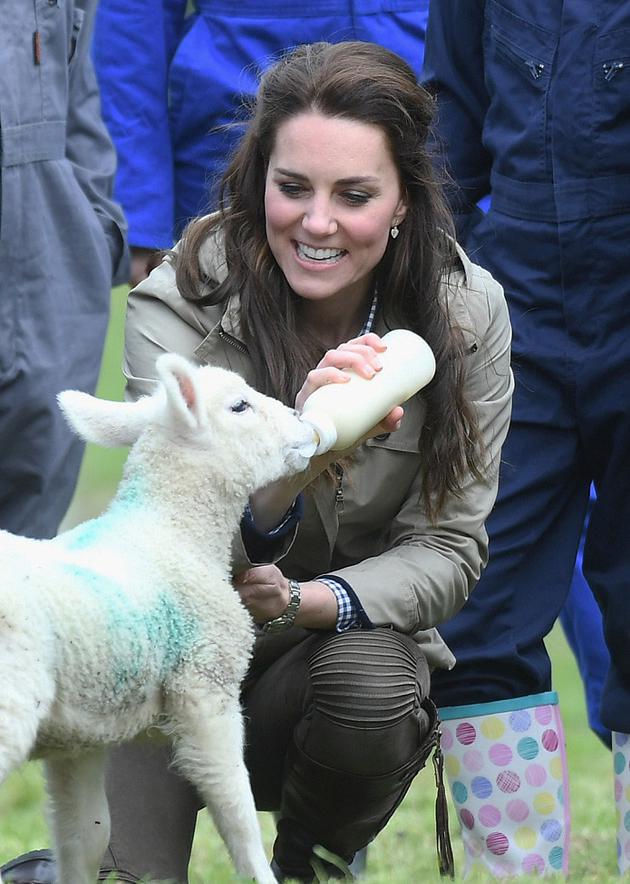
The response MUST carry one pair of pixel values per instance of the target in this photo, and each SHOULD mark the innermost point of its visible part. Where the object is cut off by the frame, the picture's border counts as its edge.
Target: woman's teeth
(324, 255)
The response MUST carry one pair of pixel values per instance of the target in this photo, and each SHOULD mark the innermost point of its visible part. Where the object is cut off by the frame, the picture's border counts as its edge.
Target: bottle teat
(324, 432)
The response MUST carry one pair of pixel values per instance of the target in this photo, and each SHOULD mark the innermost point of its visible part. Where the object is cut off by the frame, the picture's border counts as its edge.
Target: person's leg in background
(606, 421)
(504, 797)
(54, 308)
(606, 568)
(507, 769)
(503, 740)
(581, 621)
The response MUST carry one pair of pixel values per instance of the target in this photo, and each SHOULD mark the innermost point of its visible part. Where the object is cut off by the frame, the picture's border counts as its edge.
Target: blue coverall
(172, 86)
(61, 245)
(534, 108)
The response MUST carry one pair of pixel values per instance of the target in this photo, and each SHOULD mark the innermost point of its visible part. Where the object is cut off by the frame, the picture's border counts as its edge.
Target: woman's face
(332, 194)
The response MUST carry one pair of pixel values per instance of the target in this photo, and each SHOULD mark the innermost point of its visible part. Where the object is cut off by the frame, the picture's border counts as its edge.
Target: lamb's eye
(241, 406)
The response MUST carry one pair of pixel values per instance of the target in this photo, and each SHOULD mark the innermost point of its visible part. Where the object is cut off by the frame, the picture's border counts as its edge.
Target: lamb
(130, 621)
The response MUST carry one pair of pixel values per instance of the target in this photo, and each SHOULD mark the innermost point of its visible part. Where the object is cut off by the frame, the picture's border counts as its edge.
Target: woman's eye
(291, 189)
(241, 406)
(356, 198)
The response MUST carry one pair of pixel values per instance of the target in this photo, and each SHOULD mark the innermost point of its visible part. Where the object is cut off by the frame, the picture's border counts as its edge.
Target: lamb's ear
(104, 422)
(183, 396)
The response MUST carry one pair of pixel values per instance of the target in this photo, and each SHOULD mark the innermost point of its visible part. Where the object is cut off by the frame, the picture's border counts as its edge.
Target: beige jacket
(406, 573)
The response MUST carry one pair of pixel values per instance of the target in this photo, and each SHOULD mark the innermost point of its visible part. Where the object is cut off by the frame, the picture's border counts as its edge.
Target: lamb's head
(209, 411)
(247, 434)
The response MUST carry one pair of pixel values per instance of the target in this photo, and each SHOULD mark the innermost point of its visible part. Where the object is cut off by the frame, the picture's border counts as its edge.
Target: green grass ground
(404, 852)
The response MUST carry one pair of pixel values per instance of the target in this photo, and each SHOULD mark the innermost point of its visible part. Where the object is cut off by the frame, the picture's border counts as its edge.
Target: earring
(394, 231)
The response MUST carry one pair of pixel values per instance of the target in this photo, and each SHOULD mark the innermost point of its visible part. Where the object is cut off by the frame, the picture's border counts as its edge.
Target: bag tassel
(444, 847)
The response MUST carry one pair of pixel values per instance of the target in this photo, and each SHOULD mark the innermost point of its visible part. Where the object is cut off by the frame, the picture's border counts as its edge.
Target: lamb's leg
(79, 814)
(16, 742)
(26, 694)
(209, 751)
(25, 697)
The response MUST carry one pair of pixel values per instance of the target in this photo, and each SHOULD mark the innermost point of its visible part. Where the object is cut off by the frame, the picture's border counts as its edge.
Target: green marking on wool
(146, 640)
(89, 533)
(83, 536)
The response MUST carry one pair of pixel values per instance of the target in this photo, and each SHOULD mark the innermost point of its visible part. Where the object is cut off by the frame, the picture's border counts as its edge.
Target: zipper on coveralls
(612, 68)
(339, 502)
(535, 68)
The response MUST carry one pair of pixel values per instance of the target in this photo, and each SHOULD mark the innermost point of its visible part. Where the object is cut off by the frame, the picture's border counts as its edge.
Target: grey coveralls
(62, 246)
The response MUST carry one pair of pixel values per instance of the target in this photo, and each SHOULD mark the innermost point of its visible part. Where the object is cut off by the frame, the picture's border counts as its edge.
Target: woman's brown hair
(367, 83)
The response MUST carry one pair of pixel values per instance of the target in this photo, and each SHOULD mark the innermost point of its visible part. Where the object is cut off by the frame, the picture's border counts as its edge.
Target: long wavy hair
(367, 83)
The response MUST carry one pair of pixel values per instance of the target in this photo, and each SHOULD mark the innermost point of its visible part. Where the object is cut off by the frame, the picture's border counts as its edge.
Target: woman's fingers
(360, 355)
(371, 339)
(390, 422)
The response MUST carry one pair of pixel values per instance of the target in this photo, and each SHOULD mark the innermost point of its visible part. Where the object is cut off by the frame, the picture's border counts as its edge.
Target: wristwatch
(287, 618)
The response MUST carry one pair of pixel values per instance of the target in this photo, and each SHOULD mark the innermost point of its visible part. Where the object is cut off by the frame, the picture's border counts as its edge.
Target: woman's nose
(319, 220)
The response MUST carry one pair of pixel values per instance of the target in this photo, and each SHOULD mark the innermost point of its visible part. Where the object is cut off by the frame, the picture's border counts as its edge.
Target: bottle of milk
(340, 414)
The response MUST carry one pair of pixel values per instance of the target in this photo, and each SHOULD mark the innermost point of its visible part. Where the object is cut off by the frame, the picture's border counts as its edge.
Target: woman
(331, 231)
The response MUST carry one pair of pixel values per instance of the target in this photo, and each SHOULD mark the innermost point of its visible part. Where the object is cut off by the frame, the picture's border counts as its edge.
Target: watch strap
(287, 618)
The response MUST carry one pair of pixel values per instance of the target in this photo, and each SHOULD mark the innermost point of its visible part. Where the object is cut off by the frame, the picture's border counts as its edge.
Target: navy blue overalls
(534, 108)
(168, 82)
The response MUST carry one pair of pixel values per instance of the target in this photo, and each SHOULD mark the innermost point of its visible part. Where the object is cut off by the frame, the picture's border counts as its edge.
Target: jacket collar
(467, 265)
(231, 319)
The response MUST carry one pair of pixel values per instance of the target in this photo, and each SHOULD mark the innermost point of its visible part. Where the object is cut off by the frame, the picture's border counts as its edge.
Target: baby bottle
(342, 413)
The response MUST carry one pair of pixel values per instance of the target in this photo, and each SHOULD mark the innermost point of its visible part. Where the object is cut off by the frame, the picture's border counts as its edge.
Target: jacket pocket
(518, 57)
(77, 24)
(611, 109)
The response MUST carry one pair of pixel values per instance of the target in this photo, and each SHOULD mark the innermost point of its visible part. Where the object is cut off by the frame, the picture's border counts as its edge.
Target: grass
(404, 853)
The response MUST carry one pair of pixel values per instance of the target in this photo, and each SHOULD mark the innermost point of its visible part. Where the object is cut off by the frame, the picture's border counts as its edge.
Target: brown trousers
(336, 729)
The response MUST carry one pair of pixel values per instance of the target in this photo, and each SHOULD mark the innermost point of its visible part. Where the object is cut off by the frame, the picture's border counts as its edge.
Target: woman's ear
(401, 211)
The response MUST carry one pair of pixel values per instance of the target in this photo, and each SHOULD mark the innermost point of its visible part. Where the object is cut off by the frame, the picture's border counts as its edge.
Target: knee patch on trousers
(370, 678)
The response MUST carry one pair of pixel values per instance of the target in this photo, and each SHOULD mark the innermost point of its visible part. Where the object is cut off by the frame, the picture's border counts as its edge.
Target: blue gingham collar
(369, 322)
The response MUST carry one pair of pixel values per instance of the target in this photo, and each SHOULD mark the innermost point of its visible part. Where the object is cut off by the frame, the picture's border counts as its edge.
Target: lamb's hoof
(36, 867)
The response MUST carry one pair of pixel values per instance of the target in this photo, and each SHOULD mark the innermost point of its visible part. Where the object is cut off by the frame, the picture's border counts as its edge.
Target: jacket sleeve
(89, 148)
(454, 73)
(134, 42)
(426, 572)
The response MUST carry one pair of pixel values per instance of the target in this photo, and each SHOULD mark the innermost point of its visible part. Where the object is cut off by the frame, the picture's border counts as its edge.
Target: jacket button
(382, 437)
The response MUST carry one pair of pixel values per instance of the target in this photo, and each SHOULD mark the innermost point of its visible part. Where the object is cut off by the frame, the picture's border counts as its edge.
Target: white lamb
(130, 620)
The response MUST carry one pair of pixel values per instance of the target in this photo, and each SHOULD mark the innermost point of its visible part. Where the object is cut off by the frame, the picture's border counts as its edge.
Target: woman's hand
(362, 356)
(143, 261)
(264, 591)
(359, 354)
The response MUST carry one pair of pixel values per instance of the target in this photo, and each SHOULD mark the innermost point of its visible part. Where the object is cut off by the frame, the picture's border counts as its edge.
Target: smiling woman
(331, 232)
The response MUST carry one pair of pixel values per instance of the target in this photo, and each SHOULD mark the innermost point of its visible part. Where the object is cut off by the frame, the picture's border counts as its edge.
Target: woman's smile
(326, 256)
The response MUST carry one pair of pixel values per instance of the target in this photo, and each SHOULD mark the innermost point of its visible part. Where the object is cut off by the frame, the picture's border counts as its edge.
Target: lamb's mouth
(322, 256)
